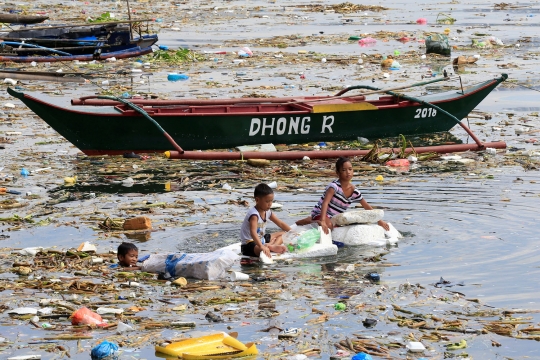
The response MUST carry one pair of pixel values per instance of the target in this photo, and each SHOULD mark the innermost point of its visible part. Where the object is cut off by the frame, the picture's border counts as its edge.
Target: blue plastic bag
(103, 350)
(362, 356)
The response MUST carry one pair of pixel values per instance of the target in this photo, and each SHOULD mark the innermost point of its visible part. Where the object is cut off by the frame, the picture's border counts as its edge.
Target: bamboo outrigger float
(108, 125)
(22, 19)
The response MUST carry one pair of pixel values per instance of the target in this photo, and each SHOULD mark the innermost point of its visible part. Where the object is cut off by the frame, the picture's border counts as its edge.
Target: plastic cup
(238, 276)
(265, 259)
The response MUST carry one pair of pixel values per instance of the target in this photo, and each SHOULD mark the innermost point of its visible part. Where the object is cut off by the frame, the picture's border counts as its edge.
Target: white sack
(209, 266)
(357, 217)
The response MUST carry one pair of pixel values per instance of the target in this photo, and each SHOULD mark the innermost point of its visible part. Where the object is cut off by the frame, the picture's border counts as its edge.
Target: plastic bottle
(395, 65)
(495, 41)
(308, 239)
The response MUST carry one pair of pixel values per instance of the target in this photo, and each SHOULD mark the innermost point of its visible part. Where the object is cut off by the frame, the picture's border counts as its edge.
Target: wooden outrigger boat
(104, 125)
(83, 42)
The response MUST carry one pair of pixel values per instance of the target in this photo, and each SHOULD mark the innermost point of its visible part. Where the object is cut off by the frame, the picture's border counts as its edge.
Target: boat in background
(75, 42)
(101, 125)
(22, 19)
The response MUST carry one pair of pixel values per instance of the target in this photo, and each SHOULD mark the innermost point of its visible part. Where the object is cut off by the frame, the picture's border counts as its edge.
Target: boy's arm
(382, 223)
(280, 223)
(255, 237)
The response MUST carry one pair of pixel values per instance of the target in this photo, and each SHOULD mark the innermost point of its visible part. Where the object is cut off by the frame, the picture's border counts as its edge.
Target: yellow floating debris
(180, 282)
(70, 180)
(216, 346)
(387, 62)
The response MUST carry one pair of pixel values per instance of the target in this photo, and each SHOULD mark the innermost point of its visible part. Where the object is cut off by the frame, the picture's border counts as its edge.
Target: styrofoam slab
(317, 250)
(358, 217)
(359, 234)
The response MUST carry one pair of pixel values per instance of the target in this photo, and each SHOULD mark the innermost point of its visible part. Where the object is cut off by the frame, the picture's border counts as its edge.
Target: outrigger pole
(326, 154)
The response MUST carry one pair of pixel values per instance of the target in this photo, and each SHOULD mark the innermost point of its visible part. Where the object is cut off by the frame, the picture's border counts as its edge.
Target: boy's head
(264, 197)
(127, 254)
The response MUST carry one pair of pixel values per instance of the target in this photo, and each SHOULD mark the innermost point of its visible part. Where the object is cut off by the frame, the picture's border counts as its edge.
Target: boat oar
(145, 114)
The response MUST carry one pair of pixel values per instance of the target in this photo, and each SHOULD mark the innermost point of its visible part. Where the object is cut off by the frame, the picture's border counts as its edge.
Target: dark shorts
(249, 249)
(318, 217)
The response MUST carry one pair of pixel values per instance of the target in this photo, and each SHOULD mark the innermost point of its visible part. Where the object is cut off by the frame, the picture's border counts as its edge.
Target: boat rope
(147, 116)
(527, 87)
(411, 98)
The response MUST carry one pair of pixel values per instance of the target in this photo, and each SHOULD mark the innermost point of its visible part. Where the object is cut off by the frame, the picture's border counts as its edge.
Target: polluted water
(462, 282)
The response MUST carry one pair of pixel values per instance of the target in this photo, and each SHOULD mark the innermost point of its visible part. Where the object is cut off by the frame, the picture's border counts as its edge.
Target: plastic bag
(103, 350)
(85, 316)
(290, 238)
(308, 239)
(362, 356)
(438, 44)
(210, 266)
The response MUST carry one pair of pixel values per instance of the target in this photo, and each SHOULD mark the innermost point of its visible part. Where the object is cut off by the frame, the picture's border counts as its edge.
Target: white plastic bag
(209, 266)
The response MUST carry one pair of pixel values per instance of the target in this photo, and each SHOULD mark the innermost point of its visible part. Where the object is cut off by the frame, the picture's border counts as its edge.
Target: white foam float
(358, 217)
(366, 234)
(359, 227)
(323, 248)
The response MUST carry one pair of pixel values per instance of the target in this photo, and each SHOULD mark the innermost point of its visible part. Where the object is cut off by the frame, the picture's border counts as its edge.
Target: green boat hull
(106, 130)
